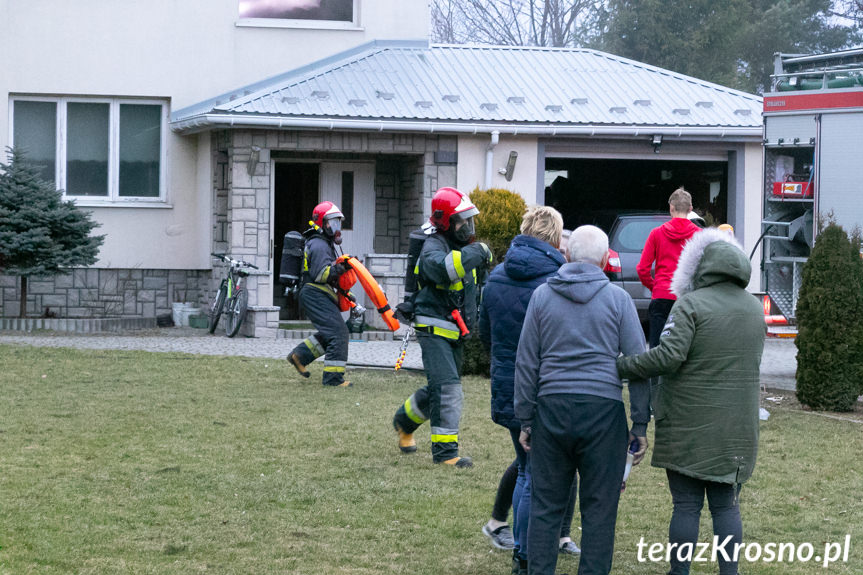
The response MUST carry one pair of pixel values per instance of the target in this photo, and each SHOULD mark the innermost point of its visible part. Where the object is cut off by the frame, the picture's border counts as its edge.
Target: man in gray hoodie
(569, 400)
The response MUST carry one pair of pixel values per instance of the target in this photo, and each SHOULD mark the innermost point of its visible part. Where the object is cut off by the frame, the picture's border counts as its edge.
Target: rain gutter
(203, 122)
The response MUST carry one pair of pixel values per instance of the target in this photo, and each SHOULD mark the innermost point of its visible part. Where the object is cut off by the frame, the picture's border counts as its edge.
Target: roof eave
(209, 121)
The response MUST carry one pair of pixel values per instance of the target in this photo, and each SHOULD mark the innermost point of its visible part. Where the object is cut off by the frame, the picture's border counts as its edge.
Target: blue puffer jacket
(528, 264)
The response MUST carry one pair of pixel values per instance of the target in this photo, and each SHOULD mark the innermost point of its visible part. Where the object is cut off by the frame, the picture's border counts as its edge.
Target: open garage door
(581, 188)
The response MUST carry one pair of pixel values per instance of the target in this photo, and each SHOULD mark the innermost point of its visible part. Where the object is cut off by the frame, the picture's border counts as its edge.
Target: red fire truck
(813, 162)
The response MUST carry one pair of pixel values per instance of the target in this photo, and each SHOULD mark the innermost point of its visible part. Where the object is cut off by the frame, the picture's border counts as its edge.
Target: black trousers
(572, 434)
(657, 313)
(331, 338)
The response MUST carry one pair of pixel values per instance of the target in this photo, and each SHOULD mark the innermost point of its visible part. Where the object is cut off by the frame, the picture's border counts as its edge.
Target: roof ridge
(600, 54)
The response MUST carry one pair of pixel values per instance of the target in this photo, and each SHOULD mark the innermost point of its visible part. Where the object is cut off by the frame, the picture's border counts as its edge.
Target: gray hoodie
(575, 328)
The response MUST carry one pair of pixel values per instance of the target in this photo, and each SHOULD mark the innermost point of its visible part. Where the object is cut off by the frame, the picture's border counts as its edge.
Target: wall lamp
(510, 166)
(254, 158)
(657, 143)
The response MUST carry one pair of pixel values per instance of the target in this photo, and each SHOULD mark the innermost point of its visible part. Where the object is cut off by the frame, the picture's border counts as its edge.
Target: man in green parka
(706, 403)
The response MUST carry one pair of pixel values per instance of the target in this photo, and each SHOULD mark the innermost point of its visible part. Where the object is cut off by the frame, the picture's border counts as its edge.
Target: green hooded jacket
(706, 404)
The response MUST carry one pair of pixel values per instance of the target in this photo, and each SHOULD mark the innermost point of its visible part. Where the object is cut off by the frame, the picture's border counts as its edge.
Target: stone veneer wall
(105, 293)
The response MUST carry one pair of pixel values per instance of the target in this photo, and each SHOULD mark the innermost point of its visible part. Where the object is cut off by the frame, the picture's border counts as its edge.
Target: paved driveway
(778, 365)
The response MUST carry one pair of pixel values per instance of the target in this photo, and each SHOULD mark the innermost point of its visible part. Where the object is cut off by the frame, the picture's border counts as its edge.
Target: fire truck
(813, 162)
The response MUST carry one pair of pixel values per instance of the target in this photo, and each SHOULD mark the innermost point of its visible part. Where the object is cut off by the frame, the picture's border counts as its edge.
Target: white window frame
(354, 24)
(113, 197)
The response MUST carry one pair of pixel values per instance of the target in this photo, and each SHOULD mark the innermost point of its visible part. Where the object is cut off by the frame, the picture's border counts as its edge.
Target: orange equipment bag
(373, 289)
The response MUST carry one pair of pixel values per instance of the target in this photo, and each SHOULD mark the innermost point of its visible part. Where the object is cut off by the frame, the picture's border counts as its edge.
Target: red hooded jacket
(663, 246)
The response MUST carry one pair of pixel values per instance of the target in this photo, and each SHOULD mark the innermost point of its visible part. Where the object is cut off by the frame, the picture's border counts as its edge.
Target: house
(195, 128)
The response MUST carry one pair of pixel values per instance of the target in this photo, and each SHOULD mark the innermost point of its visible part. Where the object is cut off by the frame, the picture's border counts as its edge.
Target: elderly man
(569, 400)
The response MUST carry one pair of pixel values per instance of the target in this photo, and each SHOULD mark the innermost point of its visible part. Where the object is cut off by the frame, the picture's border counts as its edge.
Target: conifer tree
(40, 233)
(829, 317)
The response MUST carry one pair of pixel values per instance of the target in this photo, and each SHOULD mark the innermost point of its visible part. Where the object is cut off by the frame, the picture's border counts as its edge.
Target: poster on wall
(326, 10)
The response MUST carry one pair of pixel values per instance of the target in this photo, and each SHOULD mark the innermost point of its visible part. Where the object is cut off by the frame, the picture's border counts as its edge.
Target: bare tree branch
(512, 22)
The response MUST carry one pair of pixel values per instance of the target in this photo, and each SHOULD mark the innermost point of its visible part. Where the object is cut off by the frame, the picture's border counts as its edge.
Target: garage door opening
(581, 188)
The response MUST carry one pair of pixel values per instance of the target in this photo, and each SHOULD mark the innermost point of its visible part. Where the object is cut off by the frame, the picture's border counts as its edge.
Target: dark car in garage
(627, 234)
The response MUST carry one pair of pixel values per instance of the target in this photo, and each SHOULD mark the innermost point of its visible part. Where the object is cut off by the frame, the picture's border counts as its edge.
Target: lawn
(135, 462)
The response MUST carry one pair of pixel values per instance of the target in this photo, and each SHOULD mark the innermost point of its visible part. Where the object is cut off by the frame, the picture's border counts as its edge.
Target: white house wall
(184, 52)
(472, 161)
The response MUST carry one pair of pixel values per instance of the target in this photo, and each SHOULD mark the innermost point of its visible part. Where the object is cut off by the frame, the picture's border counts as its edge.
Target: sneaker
(569, 548)
(344, 384)
(500, 537)
(407, 443)
(298, 365)
(458, 462)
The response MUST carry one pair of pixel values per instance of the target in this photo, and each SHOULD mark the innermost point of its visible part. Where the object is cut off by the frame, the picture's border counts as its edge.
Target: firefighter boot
(298, 365)
(407, 443)
(459, 462)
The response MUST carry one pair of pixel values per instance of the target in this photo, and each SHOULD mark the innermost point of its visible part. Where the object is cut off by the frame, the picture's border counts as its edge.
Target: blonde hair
(680, 201)
(543, 223)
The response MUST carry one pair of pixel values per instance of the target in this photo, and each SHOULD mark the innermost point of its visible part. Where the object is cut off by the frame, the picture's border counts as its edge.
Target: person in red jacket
(663, 248)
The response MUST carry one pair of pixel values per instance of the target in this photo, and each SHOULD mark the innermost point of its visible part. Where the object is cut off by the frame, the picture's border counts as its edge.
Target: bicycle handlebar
(233, 262)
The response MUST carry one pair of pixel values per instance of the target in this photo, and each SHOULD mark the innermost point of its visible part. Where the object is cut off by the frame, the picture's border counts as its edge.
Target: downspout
(489, 157)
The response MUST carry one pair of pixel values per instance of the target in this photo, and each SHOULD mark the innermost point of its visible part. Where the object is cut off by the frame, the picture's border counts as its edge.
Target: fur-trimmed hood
(711, 256)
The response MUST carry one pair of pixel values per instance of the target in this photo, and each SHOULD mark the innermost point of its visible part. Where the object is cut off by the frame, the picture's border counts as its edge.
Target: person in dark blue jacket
(532, 258)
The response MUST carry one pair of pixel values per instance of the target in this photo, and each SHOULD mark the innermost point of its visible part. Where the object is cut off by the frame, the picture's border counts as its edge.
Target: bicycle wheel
(238, 305)
(217, 307)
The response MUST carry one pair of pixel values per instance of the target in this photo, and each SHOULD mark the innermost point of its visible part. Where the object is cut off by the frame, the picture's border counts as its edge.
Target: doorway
(296, 189)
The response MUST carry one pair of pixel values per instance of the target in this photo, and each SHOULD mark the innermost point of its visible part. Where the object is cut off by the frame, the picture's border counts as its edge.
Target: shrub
(41, 234)
(499, 219)
(829, 317)
(476, 361)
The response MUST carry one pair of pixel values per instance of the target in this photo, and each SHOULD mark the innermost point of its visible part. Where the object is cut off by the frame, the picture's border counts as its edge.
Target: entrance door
(296, 191)
(351, 187)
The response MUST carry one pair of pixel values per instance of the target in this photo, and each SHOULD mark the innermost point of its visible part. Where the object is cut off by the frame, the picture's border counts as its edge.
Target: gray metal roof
(391, 84)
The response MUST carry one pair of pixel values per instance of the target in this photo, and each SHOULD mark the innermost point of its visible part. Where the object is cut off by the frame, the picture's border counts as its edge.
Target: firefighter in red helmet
(448, 273)
(319, 298)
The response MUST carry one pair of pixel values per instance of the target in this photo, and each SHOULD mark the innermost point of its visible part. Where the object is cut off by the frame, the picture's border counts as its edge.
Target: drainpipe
(489, 157)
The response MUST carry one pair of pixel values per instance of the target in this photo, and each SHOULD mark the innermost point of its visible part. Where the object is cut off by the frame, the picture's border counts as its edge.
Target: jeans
(687, 493)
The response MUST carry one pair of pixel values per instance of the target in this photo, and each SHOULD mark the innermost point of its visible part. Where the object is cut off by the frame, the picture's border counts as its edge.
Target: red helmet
(325, 211)
(448, 202)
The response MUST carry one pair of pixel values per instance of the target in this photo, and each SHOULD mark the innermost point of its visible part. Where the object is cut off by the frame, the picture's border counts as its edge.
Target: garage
(586, 185)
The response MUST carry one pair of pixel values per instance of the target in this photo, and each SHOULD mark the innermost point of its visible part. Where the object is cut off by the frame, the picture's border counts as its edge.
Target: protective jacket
(318, 257)
(706, 403)
(528, 264)
(447, 278)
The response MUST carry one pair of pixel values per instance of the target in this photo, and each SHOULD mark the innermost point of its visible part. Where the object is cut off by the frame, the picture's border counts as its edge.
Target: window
(97, 150)
(348, 200)
(298, 13)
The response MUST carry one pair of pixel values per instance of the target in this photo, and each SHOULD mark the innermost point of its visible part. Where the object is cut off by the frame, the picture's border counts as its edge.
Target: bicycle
(232, 298)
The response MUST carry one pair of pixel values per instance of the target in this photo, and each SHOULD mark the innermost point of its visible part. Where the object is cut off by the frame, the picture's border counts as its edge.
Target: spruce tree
(40, 233)
(830, 323)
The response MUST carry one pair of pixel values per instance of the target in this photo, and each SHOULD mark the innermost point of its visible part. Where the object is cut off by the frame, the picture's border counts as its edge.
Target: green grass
(132, 462)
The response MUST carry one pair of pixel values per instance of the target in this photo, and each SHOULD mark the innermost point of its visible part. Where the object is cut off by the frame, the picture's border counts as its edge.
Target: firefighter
(319, 298)
(445, 308)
